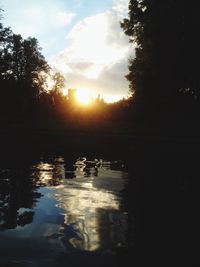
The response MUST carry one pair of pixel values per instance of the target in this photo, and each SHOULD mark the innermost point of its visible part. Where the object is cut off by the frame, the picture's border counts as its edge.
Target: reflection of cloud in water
(86, 209)
(89, 203)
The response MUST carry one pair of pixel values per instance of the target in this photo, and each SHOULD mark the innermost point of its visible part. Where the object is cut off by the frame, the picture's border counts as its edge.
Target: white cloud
(121, 7)
(97, 54)
(96, 49)
(64, 18)
(47, 20)
(36, 19)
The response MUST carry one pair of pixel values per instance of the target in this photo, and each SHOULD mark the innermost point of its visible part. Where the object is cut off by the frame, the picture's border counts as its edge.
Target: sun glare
(84, 96)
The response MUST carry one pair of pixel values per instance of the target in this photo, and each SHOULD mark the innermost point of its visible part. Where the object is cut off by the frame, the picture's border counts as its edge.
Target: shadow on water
(101, 212)
(162, 199)
(18, 195)
(53, 209)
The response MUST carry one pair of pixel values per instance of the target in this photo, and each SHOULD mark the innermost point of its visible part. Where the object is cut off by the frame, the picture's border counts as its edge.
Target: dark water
(65, 211)
(52, 207)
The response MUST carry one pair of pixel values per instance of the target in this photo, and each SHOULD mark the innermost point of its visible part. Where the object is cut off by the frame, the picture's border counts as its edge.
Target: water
(53, 206)
(72, 211)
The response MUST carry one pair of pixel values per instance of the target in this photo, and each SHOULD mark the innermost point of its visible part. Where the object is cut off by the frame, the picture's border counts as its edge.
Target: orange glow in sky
(84, 96)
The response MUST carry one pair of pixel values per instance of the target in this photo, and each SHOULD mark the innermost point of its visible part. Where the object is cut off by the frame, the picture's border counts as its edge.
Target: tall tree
(165, 67)
(22, 71)
(5, 52)
(17, 57)
(34, 65)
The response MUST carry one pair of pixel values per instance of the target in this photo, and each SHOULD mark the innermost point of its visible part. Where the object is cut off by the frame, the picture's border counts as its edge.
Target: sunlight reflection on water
(78, 206)
(85, 201)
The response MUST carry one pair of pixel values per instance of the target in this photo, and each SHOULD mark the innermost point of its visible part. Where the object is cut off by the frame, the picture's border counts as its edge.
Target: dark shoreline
(102, 143)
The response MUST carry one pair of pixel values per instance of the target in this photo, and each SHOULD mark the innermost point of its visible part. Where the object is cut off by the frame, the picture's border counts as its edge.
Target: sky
(80, 38)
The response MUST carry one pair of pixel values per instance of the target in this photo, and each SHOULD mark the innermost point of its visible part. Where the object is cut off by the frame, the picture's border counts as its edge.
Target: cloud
(46, 20)
(93, 54)
(97, 54)
(64, 18)
(35, 19)
(121, 7)
(110, 84)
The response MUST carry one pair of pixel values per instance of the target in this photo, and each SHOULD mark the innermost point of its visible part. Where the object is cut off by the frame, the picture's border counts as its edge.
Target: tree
(5, 55)
(56, 90)
(33, 66)
(17, 56)
(165, 66)
(58, 82)
(22, 72)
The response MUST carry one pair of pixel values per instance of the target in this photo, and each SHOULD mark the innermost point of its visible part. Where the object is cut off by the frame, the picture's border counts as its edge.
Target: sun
(84, 96)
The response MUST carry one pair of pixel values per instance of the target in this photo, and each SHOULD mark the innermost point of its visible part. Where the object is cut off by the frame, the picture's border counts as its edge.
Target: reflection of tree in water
(104, 229)
(18, 191)
(90, 172)
(18, 194)
(49, 174)
(90, 202)
(112, 228)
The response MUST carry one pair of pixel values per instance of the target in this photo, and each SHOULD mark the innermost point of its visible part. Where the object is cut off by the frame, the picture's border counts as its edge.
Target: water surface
(53, 206)
(59, 211)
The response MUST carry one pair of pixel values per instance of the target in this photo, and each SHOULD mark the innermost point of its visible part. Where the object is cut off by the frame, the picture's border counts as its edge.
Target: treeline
(164, 75)
(27, 95)
(22, 71)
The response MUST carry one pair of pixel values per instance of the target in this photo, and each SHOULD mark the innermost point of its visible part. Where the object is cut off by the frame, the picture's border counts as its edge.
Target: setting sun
(84, 96)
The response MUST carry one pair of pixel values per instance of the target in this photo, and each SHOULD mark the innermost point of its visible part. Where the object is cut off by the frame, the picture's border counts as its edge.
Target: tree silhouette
(5, 55)
(22, 69)
(164, 70)
(34, 65)
(32, 93)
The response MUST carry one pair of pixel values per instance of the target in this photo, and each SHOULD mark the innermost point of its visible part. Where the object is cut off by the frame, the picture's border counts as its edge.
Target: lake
(54, 206)
(74, 210)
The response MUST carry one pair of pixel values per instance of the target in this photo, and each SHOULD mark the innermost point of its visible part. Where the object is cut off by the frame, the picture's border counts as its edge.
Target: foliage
(32, 93)
(164, 71)
(21, 68)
